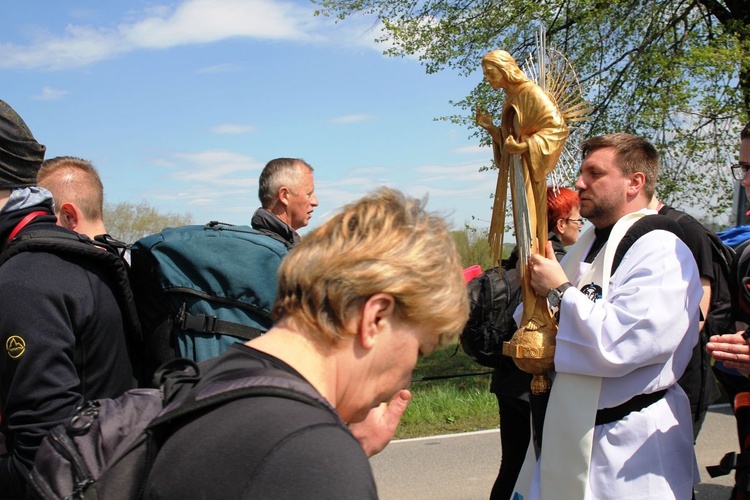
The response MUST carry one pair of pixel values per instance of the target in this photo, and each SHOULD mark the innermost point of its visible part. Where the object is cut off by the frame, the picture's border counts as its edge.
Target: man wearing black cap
(62, 335)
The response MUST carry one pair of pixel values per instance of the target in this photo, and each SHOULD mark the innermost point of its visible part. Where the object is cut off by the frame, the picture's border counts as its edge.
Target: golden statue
(526, 148)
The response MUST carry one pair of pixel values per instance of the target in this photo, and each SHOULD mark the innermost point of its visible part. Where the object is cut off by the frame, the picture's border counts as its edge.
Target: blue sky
(182, 103)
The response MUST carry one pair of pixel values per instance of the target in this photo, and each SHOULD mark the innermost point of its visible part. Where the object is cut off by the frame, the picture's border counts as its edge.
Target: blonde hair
(382, 243)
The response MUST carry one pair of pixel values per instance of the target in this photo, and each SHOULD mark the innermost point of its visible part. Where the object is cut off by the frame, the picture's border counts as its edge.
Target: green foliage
(473, 247)
(129, 221)
(677, 73)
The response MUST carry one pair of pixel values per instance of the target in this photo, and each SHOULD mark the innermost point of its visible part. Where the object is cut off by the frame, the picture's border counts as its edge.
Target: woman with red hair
(563, 218)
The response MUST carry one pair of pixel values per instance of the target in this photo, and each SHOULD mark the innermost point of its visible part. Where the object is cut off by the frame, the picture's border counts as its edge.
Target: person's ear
(68, 216)
(284, 195)
(637, 181)
(559, 223)
(377, 317)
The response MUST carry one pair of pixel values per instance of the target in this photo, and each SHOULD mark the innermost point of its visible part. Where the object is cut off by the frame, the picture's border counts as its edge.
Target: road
(464, 466)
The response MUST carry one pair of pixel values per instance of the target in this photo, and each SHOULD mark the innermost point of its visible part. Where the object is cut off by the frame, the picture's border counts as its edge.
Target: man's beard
(600, 209)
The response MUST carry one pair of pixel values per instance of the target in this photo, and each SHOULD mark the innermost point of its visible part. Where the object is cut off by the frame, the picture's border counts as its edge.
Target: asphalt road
(464, 466)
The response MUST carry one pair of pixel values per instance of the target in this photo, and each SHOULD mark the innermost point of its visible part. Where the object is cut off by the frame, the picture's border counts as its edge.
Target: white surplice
(638, 339)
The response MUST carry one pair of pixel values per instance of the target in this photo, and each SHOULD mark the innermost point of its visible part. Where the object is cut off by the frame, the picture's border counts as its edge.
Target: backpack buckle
(197, 322)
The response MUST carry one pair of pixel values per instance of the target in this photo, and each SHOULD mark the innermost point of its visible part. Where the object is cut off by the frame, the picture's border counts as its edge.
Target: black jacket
(268, 223)
(63, 341)
(261, 447)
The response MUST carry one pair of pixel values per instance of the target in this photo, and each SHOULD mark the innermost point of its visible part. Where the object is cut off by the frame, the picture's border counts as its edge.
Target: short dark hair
(745, 134)
(634, 154)
(277, 173)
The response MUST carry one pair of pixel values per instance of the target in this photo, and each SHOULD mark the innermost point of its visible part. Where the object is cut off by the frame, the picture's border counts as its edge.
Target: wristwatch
(554, 296)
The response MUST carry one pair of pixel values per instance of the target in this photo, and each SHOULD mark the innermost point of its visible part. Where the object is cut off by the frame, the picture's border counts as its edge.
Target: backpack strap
(641, 227)
(24, 222)
(205, 323)
(229, 386)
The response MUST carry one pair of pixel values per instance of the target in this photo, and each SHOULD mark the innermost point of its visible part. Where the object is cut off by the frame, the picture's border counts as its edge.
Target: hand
(545, 272)
(484, 120)
(732, 350)
(515, 148)
(378, 428)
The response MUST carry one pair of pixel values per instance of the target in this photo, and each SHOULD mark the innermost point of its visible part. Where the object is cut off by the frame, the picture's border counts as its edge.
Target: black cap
(20, 155)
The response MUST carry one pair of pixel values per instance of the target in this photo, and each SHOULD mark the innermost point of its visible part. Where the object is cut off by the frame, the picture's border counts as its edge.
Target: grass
(450, 405)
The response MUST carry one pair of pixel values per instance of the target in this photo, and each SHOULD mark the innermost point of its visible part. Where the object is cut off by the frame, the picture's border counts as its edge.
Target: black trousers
(515, 433)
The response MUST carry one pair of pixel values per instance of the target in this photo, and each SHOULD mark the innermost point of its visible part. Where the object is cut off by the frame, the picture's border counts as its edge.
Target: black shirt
(262, 447)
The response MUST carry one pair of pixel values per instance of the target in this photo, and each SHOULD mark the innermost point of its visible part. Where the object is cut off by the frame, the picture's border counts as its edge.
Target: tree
(129, 221)
(473, 248)
(674, 71)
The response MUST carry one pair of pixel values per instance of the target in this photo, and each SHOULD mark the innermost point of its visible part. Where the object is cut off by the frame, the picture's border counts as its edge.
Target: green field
(451, 405)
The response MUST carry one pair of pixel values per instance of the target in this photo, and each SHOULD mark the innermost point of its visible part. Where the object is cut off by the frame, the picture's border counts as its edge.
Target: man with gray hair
(287, 196)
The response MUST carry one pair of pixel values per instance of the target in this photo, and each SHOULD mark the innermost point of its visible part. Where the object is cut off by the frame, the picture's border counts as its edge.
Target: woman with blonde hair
(359, 300)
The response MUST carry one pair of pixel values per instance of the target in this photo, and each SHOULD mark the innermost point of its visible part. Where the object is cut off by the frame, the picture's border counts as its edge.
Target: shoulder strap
(234, 385)
(48, 240)
(641, 227)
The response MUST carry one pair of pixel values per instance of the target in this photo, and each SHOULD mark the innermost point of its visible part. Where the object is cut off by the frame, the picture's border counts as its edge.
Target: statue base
(533, 351)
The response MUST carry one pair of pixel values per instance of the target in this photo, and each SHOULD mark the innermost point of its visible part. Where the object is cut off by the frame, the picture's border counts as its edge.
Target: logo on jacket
(592, 291)
(15, 346)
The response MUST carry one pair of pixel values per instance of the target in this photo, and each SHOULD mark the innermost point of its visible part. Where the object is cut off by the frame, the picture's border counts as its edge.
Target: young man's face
(745, 159)
(602, 188)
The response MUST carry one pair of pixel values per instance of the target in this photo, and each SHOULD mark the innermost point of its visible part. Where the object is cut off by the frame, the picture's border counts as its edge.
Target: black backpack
(493, 296)
(107, 449)
(698, 381)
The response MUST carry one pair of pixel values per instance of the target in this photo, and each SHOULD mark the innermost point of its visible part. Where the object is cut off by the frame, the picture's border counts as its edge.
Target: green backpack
(199, 289)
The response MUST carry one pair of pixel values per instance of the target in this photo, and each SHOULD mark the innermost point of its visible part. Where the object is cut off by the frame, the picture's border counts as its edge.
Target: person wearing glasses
(511, 385)
(733, 349)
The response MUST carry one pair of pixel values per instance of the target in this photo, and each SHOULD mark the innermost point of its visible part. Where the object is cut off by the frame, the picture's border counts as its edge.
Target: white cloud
(474, 149)
(232, 129)
(50, 94)
(353, 118)
(221, 68)
(218, 168)
(465, 172)
(191, 22)
(205, 21)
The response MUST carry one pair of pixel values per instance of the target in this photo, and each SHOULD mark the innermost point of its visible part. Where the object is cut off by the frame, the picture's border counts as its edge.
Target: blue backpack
(199, 289)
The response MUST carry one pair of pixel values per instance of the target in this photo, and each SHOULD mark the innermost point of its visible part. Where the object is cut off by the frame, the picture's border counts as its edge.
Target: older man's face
(301, 202)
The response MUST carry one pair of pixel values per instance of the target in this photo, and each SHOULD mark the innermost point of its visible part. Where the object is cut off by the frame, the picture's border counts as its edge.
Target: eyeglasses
(739, 170)
(581, 221)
